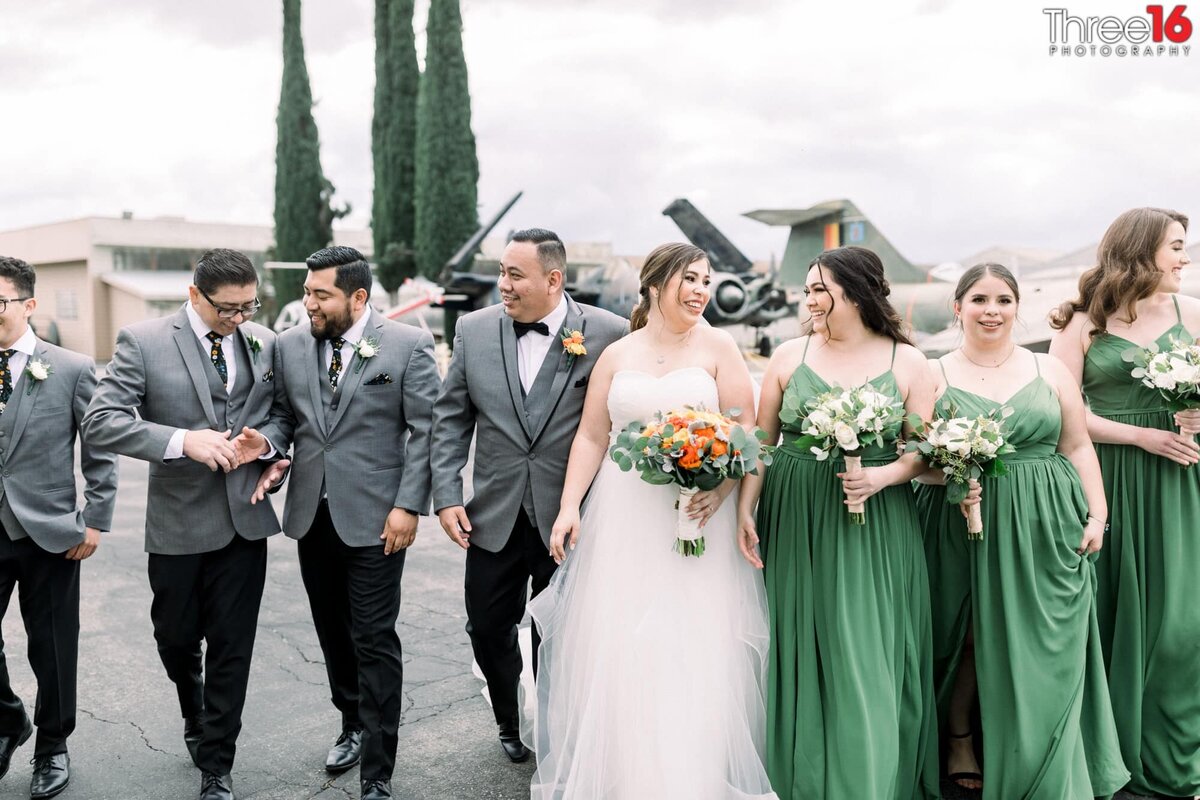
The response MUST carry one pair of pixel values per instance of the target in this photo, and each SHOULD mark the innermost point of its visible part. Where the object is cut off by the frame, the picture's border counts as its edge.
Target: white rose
(960, 447)
(821, 422)
(847, 439)
(38, 370)
(937, 437)
(367, 350)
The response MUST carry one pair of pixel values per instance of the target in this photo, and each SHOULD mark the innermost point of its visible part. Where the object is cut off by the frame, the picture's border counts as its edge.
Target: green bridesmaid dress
(1048, 730)
(1146, 599)
(850, 711)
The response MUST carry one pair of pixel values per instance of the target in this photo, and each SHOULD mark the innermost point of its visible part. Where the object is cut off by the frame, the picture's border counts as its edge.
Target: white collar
(556, 318)
(354, 333)
(27, 343)
(199, 326)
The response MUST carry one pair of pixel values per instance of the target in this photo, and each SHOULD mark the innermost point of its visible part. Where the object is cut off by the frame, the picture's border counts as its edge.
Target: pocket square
(379, 380)
(582, 382)
(269, 375)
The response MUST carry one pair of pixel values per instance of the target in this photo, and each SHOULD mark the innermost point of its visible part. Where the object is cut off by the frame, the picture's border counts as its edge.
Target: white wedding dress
(651, 668)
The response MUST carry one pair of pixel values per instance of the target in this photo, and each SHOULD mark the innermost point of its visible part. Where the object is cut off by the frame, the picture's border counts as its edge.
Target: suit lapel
(352, 372)
(575, 322)
(508, 356)
(185, 339)
(315, 373)
(29, 390)
(255, 376)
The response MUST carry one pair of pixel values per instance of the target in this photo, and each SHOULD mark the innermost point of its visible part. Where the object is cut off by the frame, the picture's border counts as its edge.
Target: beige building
(97, 274)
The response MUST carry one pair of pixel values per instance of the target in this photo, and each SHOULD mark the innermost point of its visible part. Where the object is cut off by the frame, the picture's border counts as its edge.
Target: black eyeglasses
(4, 303)
(226, 313)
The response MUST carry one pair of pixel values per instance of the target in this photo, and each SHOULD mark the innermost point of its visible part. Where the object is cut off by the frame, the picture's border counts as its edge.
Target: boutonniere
(256, 345)
(572, 342)
(365, 348)
(37, 370)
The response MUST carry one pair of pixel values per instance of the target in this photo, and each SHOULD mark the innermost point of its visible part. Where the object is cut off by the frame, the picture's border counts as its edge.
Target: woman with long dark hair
(850, 711)
(1148, 613)
(1025, 590)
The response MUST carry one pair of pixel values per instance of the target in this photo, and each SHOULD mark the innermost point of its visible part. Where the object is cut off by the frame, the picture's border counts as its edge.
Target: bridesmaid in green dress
(1148, 613)
(1047, 725)
(850, 711)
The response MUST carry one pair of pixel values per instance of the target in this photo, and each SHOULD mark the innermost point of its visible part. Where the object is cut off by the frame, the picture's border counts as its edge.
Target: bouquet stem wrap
(858, 512)
(974, 523)
(689, 541)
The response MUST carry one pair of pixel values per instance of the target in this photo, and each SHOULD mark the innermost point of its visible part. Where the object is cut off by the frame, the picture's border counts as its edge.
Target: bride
(651, 663)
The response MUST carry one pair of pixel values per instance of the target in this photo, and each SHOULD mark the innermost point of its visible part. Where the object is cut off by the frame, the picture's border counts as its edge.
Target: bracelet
(1101, 521)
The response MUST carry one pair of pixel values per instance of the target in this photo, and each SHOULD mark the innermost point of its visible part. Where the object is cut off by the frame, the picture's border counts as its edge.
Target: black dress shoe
(193, 731)
(51, 774)
(345, 752)
(9, 745)
(377, 789)
(215, 787)
(510, 740)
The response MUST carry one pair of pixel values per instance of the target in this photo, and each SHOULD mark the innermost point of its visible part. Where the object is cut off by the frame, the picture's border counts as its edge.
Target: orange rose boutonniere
(572, 342)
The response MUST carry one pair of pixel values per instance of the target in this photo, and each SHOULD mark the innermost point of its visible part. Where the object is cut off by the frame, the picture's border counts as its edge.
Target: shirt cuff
(271, 451)
(175, 445)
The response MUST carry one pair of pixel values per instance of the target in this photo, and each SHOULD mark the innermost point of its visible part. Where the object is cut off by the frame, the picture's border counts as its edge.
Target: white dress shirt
(532, 348)
(23, 351)
(351, 337)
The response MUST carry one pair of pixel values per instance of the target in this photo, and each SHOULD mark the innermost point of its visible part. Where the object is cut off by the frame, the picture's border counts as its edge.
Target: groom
(515, 385)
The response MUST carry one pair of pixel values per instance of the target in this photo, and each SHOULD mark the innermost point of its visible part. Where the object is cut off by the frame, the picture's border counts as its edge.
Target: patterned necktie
(6, 381)
(335, 363)
(218, 355)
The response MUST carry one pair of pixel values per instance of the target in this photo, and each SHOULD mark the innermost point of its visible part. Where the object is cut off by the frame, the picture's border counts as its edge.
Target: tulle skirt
(651, 664)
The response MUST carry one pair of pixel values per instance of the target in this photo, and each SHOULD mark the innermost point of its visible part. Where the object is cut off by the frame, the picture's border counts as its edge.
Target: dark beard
(334, 327)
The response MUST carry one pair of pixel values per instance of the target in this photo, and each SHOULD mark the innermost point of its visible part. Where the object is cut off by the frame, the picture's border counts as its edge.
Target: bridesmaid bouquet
(1174, 372)
(964, 449)
(841, 423)
(695, 449)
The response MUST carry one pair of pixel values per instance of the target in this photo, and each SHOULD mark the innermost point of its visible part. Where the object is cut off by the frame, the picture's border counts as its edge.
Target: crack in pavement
(141, 732)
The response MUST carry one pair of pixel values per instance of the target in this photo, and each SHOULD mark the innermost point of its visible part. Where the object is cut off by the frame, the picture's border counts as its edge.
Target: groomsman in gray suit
(516, 386)
(44, 391)
(354, 396)
(175, 390)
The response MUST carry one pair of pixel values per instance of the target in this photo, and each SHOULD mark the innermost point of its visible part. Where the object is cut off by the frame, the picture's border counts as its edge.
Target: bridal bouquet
(964, 449)
(695, 449)
(841, 423)
(1174, 372)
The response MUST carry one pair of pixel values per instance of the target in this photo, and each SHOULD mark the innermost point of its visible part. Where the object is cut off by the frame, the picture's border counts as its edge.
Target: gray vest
(535, 401)
(8, 421)
(228, 406)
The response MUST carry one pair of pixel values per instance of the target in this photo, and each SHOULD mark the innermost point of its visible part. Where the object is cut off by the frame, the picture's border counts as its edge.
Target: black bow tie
(523, 328)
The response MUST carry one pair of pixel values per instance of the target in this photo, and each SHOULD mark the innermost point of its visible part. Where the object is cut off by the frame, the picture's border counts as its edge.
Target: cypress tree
(393, 141)
(447, 167)
(303, 214)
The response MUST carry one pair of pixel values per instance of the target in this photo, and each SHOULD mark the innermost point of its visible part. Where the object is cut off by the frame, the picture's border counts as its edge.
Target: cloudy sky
(946, 121)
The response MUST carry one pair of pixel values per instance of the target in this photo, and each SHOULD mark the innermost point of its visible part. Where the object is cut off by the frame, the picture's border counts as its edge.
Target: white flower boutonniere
(36, 370)
(365, 348)
(256, 345)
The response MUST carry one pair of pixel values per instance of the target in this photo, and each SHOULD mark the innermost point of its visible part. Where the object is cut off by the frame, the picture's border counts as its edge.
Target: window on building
(66, 304)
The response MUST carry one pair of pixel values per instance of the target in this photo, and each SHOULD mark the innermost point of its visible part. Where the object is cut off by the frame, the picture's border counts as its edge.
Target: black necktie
(6, 381)
(218, 355)
(523, 328)
(335, 363)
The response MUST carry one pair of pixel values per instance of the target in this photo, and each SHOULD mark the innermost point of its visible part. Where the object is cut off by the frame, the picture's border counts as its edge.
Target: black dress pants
(48, 588)
(496, 587)
(354, 593)
(212, 597)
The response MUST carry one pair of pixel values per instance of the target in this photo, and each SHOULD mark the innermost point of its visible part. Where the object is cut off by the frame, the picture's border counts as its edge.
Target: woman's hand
(748, 540)
(565, 531)
(1188, 421)
(704, 504)
(973, 498)
(1093, 537)
(864, 483)
(1180, 448)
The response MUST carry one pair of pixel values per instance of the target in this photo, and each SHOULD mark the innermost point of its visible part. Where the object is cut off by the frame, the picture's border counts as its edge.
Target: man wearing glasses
(177, 387)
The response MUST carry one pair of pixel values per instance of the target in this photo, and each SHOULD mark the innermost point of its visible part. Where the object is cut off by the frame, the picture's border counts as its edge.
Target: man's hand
(211, 448)
(399, 530)
(456, 525)
(91, 540)
(271, 476)
(250, 445)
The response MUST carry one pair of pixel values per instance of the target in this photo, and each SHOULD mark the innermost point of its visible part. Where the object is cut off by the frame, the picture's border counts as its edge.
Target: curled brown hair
(663, 263)
(859, 272)
(1125, 271)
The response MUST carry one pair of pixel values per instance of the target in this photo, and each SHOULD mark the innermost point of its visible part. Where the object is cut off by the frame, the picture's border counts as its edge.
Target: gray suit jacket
(158, 381)
(520, 457)
(37, 456)
(371, 452)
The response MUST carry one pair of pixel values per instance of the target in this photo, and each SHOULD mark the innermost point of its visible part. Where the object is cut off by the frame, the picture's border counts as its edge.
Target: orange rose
(719, 448)
(690, 458)
(705, 433)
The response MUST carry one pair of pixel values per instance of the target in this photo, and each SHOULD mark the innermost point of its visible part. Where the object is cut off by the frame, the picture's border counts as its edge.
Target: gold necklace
(661, 359)
(988, 366)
